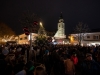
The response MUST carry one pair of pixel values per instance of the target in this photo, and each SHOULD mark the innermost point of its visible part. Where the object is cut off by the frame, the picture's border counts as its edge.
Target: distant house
(24, 39)
(89, 38)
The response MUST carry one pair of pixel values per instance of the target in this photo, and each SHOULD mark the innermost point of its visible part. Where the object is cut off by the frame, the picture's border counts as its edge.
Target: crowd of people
(49, 60)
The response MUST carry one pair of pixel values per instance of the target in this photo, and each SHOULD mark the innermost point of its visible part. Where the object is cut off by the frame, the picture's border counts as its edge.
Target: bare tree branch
(81, 29)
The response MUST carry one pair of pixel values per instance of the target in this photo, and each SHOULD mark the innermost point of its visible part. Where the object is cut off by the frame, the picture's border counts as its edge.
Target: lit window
(95, 37)
(20, 38)
(88, 36)
(25, 37)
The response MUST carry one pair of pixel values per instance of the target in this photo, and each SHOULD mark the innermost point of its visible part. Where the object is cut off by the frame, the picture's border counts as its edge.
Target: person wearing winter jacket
(90, 66)
(74, 59)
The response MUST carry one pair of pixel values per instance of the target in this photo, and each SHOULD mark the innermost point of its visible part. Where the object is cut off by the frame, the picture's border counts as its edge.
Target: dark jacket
(90, 68)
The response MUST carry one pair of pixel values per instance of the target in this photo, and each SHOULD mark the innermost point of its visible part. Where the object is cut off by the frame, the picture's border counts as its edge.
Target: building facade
(24, 39)
(92, 38)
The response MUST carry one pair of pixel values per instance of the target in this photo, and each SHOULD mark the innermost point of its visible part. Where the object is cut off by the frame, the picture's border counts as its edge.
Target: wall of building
(86, 39)
(92, 36)
(24, 39)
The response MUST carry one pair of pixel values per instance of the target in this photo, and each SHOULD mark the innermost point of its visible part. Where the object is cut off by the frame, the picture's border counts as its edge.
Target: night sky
(74, 11)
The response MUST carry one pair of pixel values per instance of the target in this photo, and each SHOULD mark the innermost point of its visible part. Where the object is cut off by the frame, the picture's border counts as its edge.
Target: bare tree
(81, 29)
(28, 19)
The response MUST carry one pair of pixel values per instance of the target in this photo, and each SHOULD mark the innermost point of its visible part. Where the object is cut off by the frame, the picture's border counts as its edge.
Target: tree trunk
(79, 38)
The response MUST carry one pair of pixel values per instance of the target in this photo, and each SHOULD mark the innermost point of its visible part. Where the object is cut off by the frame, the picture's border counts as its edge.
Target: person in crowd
(5, 51)
(61, 66)
(10, 60)
(56, 60)
(69, 66)
(46, 61)
(18, 51)
(39, 71)
(3, 63)
(19, 69)
(38, 54)
(21, 59)
(30, 68)
(89, 66)
(98, 57)
(74, 58)
(93, 54)
(1, 54)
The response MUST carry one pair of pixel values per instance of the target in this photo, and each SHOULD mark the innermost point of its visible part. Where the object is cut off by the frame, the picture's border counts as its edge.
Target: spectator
(69, 66)
(19, 69)
(89, 66)
(46, 60)
(40, 71)
(5, 51)
(30, 68)
(74, 58)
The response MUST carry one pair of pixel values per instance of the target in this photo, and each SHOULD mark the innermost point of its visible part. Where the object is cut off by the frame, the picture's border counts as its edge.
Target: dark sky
(74, 11)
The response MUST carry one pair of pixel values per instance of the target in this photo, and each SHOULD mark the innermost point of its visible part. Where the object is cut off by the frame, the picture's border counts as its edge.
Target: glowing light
(71, 38)
(54, 43)
(53, 40)
(41, 24)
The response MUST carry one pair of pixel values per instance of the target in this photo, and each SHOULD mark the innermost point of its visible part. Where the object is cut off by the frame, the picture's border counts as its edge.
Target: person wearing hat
(89, 66)
(89, 57)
